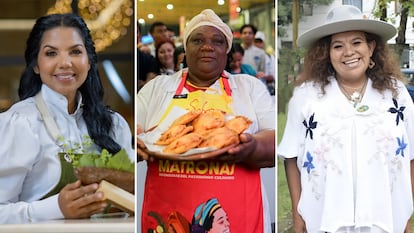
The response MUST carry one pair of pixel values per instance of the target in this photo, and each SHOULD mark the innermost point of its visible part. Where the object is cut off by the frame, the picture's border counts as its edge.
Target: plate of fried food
(195, 135)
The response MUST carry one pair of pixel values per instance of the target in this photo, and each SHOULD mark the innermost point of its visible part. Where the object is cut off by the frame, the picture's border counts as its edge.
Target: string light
(106, 19)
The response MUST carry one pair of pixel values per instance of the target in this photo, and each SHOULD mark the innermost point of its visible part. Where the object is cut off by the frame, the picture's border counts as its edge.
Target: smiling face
(236, 61)
(221, 222)
(62, 62)
(350, 55)
(206, 55)
(166, 55)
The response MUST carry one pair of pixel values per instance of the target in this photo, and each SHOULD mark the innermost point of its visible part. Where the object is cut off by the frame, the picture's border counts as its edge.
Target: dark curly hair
(96, 115)
(318, 67)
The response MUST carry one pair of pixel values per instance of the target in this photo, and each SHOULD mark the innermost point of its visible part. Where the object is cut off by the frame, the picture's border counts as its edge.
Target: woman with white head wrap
(232, 176)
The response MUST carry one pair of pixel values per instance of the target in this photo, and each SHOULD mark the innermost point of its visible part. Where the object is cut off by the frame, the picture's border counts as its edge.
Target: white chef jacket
(30, 166)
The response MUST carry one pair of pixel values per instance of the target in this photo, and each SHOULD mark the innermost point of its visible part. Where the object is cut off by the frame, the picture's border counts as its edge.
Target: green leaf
(120, 161)
(86, 160)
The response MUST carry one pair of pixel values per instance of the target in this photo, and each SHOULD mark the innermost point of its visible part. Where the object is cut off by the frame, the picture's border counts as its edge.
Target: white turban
(208, 18)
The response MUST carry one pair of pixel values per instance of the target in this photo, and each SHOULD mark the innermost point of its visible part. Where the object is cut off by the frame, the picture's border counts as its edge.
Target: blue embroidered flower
(401, 146)
(309, 126)
(308, 164)
(398, 111)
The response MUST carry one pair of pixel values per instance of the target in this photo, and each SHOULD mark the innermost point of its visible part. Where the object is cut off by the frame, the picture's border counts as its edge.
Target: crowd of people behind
(165, 55)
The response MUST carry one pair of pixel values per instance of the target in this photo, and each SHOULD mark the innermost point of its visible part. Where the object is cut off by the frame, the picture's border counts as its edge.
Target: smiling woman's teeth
(64, 76)
(351, 61)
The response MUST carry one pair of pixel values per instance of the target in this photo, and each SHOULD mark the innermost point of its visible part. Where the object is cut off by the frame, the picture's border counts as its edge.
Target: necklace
(357, 94)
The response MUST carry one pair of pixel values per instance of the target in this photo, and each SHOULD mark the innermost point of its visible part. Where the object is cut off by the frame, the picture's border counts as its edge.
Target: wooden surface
(106, 225)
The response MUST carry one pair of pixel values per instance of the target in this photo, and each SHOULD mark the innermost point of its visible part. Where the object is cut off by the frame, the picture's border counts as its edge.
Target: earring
(371, 63)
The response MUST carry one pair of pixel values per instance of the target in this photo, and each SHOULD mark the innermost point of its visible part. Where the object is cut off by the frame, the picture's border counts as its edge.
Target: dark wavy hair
(318, 67)
(160, 66)
(96, 115)
(235, 48)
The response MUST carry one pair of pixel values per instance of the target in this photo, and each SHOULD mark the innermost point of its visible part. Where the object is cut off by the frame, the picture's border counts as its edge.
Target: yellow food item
(238, 124)
(183, 144)
(209, 119)
(219, 138)
(202, 128)
(173, 133)
(187, 118)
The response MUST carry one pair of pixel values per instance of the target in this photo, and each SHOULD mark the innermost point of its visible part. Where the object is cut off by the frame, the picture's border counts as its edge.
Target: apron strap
(181, 84)
(50, 123)
(226, 84)
(67, 175)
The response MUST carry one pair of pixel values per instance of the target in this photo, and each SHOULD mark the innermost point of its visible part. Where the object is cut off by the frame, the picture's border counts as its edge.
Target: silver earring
(371, 63)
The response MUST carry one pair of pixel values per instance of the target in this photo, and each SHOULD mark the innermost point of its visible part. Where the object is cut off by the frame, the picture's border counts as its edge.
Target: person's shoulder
(248, 69)
(258, 50)
(21, 114)
(166, 82)
(307, 88)
(241, 77)
(245, 81)
(167, 79)
(25, 107)
(119, 121)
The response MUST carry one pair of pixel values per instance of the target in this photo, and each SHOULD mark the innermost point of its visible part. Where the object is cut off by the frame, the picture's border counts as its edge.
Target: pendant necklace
(356, 97)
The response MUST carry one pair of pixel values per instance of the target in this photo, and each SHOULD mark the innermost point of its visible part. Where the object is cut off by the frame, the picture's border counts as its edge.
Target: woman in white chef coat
(60, 104)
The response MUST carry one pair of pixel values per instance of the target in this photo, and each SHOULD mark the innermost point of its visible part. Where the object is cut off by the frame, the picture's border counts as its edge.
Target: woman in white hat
(232, 177)
(350, 127)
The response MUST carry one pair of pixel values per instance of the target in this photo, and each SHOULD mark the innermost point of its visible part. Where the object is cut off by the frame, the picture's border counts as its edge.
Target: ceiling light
(141, 21)
(220, 2)
(150, 16)
(170, 6)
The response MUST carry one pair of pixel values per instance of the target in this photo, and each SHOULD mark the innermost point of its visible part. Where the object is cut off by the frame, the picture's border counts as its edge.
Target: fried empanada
(173, 133)
(238, 124)
(183, 144)
(209, 119)
(219, 138)
(186, 118)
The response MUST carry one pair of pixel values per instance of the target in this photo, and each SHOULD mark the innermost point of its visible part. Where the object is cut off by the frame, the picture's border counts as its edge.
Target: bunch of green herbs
(84, 155)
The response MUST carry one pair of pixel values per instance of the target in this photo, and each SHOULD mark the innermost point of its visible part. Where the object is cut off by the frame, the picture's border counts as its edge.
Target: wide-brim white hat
(346, 18)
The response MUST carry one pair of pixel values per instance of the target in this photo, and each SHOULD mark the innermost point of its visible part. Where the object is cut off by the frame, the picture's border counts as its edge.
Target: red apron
(174, 189)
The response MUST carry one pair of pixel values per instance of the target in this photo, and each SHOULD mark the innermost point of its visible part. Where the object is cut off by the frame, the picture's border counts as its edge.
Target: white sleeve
(123, 135)
(18, 154)
(293, 135)
(408, 115)
(264, 106)
(25, 212)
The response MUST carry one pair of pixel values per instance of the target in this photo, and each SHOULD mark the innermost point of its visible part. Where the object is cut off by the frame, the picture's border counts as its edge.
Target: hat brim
(383, 29)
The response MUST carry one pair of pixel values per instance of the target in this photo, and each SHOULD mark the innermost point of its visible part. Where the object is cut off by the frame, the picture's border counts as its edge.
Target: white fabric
(208, 18)
(30, 166)
(255, 57)
(358, 180)
(270, 65)
(250, 98)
